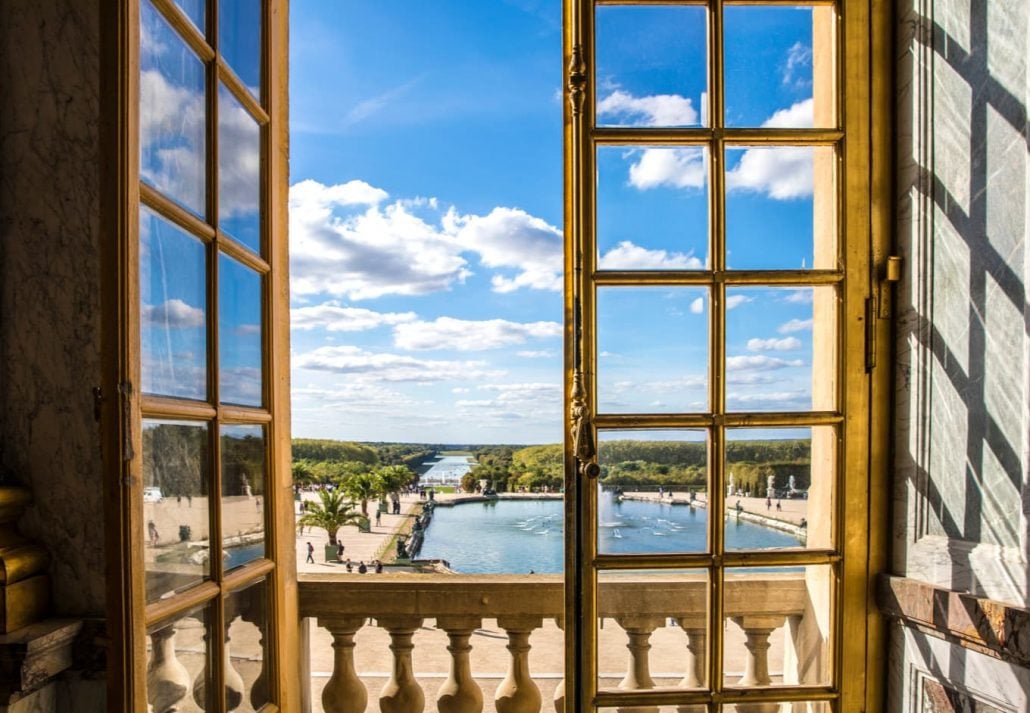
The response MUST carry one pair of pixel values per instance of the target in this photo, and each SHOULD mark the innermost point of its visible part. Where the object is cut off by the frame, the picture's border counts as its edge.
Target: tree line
(629, 463)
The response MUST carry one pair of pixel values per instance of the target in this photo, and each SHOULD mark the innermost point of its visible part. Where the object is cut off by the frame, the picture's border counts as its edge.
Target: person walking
(362, 568)
(311, 553)
(379, 516)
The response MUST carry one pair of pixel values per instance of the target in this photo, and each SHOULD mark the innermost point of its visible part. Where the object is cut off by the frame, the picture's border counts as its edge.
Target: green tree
(331, 513)
(394, 477)
(363, 487)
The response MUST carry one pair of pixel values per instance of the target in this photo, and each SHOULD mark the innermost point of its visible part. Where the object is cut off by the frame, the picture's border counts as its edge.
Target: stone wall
(962, 410)
(50, 285)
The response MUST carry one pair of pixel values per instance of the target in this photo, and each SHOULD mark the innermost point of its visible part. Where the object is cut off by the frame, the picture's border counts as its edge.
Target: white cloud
(628, 256)
(784, 399)
(759, 362)
(795, 325)
(799, 297)
(336, 318)
(172, 137)
(781, 172)
(698, 305)
(345, 241)
(540, 354)
(374, 252)
(173, 314)
(654, 110)
(669, 167)
(512, 238)
(383, 367)
(734, 301)
(797, 116)
(470, 335)
(785, 344)
(799, 56)
(312, 193)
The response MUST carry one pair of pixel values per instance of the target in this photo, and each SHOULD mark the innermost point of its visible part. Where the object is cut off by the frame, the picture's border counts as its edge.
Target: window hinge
(890, 274)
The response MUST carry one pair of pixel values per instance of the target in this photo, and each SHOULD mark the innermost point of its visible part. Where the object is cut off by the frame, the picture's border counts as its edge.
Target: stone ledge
(985, 625)
(33, 655)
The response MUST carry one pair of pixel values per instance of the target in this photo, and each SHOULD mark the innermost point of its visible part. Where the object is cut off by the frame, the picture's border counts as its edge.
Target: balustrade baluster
(168, 681)
(459, 693)
(638, 675)
(344, 692)
(756, 664)
(401, 694)
(233, 680)
(694, 628)
(518, 693)
(559, 691)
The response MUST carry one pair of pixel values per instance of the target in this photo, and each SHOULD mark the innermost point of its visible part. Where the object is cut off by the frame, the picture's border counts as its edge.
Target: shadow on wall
(968, 313)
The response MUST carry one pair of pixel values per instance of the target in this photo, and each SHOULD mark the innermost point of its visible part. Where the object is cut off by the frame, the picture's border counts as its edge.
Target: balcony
(404, 643)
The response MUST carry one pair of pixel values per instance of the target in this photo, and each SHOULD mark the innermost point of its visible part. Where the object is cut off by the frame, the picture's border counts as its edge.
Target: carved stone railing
(458, 604)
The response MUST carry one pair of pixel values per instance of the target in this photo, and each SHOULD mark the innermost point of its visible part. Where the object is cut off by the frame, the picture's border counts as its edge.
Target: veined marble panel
(927, 675)
(962, 410)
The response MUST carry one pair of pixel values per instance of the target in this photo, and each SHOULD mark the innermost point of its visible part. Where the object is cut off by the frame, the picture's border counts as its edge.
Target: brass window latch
(889, 275)
(878, 305)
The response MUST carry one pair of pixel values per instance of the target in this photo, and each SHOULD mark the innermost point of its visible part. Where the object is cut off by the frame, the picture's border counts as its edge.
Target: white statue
(770, 486)
(730, 488)
(790, 483)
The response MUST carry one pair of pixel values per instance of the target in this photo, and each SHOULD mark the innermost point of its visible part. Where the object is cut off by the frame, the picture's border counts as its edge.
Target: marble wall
(962, 416)
(50, 285)
(963, 353)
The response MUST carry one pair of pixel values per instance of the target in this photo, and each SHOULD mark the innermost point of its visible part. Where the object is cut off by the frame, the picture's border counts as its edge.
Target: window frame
(863, 87)
(121, 406)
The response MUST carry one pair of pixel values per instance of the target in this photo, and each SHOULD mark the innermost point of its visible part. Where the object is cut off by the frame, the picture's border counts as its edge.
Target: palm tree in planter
(363, 487)
(330, 514)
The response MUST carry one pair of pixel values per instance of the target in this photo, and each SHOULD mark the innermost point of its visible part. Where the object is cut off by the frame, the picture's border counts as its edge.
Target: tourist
(339, 551)
(778, 508)
(152, 531)
(379, 516)
(768, 503)
(311, 553)
(379, 567)
(350, 565)
(362, 569)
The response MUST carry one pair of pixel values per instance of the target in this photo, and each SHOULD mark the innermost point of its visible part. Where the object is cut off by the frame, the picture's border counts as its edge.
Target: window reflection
(239, 333)
(243, 494)
(172, 115)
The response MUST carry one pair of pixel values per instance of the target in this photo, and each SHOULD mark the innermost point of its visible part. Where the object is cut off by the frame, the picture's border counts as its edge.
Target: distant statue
(770, 486)
(790, 483)
(245, 484)
(731, 488)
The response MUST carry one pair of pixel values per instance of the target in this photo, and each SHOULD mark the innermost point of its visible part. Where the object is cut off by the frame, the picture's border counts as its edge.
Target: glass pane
(179, 662)
(175, 478)
(778, 626)
(652, 346)
(780, 208)
(651, 66)
(195, 11)
(246, 647)
(173, 309)
(781, 348)
(243, 494)
(779, 66)
(653, 494)
(779, 487)
(239, 333)
(171, 113)
(239, 171)
(239, 39)
(652, 629)
(652, 208)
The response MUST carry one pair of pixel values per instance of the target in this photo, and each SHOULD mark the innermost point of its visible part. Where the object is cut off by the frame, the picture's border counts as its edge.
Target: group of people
(376, 565)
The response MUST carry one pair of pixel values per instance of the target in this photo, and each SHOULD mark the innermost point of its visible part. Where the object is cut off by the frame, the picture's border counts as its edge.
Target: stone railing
(402, 605)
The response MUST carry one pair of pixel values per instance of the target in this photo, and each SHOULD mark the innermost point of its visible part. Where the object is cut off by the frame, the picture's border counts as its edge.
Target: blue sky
(426, 216)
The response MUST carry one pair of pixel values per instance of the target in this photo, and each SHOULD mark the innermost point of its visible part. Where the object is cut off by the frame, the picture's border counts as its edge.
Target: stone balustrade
(458, 605)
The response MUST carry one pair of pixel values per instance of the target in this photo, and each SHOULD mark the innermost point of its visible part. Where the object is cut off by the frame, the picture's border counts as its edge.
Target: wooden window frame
(862, 94)
(123, 408)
